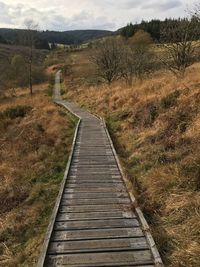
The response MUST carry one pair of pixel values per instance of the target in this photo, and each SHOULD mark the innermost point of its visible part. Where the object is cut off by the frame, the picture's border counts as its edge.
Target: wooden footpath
(94, 222)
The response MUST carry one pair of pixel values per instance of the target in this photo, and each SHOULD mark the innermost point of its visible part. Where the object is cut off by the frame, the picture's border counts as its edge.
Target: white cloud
(87, 14)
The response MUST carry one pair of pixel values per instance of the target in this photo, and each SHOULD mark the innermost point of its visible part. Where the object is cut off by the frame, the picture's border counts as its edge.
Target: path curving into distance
(94, 222)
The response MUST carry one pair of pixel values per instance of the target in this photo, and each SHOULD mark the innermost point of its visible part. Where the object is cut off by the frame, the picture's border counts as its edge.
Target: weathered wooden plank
(101, 259)
(97, 234)
(88, 155)
(95, 189)
(83, 155)
(96, 224)
(93, 171)
(91, 180)
(83, 164)
(95, 201)
(114, 244)
(92, 165)
(97, 208)
(94, 215)
(94, 183)
(95, 177)
(94, 195)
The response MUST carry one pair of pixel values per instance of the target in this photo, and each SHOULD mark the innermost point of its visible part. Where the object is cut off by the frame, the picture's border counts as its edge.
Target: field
(8, 51)
(35, 140)
(15, 66)
(155, 125)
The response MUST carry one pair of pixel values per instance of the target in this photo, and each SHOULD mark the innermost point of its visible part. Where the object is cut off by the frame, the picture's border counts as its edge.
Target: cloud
(5, 16)
(87, 20)
(130, 4)
(88, 14)
(165, 6)
(52, 19)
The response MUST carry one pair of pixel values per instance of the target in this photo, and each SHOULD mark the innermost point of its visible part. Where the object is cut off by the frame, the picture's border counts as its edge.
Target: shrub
(170, 100)
(50, 90)
(51, 79)
(181, 52)
(50, 61)
(191, 170)
(146, 115)
(39, 75)
(140, 57)
(15, 112)
(108, 60)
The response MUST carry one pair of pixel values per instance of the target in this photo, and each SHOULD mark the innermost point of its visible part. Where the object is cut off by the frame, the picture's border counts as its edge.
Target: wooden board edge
(46, 242)
(156, 255)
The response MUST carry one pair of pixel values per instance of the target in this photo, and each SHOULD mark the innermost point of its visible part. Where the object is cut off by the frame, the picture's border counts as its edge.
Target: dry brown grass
(34, 152)
(8, 51)
(156, 128)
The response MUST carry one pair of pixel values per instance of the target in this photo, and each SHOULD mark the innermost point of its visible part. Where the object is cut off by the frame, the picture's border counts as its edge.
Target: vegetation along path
(95, 221)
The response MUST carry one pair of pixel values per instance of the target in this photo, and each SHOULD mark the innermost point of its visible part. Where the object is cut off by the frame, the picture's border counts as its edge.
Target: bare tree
(128, 66)
(180, 53)
(194, 11)
(5, 73)
(19, 71)
(139, 57)
(108, 59)
(31, 27)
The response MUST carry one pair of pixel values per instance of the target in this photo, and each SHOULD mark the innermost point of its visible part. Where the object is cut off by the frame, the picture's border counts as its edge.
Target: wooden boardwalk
(94, 222)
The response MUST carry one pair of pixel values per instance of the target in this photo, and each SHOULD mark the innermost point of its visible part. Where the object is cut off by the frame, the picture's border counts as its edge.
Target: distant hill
(76, 37)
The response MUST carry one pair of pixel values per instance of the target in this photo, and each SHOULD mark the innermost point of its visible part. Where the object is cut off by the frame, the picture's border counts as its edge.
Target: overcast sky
(87, 14)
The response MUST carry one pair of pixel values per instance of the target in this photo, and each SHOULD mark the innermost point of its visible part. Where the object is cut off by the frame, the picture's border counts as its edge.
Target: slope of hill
(66, 37)
(156, 128)
(35, 140)
(7, 52)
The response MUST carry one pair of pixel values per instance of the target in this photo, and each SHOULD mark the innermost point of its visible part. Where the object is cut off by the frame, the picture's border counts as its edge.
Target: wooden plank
(100, 186)
(97, 234)
(115, 244)
(94, 183)
(96, 170)
(77, 189)
(95, 201)
(96, 224)
(96, 176)
(87, 155)
(101, 259)
(96, 195)
(92, 180)
(94, 215)
(97, 208)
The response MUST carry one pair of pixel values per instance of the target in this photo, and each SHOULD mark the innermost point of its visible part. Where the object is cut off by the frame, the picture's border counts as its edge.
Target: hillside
(8, 79)
(35, 140)
(155, 126)
(66, 37)
(7, 52)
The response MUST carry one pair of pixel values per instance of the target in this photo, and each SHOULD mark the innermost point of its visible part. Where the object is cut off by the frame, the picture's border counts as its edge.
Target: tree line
(20, 37)
(21, 70)
(16, 36)
(116, 58)
(137, 55)
(156, 27)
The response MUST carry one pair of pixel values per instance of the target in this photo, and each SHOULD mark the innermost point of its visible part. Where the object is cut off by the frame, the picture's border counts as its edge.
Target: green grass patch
(15, 112)
(170, 100)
